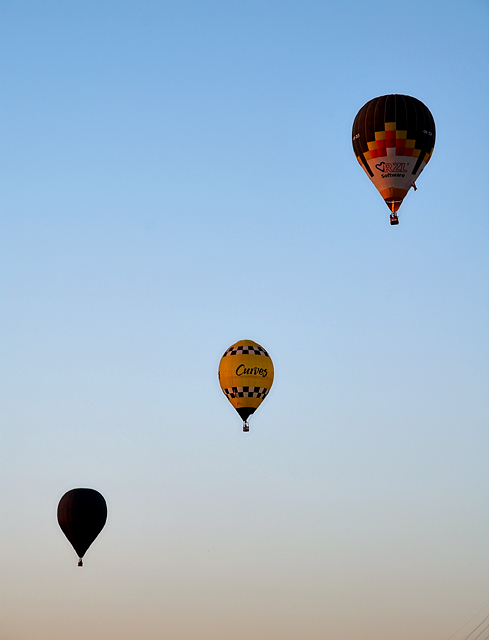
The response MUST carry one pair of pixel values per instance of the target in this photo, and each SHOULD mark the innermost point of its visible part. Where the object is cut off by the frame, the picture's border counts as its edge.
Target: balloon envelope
(393, 138)
(246, 376)
(81, 515)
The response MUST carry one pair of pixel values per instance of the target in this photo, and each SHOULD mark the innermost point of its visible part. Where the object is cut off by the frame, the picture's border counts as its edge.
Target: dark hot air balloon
(393, 139)
(81, 515)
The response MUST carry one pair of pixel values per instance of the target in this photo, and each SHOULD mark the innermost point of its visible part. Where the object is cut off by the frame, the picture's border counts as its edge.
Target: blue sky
(179, 176)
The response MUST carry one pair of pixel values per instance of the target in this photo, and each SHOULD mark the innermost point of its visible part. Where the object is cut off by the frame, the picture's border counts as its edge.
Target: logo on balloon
(251, 371)
(392, 169)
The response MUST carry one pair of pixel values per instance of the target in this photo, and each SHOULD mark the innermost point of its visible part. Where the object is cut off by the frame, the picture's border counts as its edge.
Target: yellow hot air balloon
(246, 376)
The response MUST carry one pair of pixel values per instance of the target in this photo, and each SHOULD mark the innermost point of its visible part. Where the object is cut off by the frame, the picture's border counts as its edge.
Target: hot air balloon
(81, 515)
(393, 139)
(246, 376)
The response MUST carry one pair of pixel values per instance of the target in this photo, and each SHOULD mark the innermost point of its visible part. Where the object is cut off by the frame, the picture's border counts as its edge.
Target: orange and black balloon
(82, 514)
(246, 376)
(393, 139)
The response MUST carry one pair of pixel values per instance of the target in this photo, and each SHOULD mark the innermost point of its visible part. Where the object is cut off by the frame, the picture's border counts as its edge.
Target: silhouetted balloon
(246, 376)
(81, 515)
(393, 139)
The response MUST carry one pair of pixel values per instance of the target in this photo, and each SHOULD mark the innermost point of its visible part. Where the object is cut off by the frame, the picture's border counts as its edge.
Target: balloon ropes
(81, 515)
(393, 139)
(246, 376)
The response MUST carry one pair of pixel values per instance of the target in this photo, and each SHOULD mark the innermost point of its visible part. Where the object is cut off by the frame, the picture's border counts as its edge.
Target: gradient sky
(176, 176)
